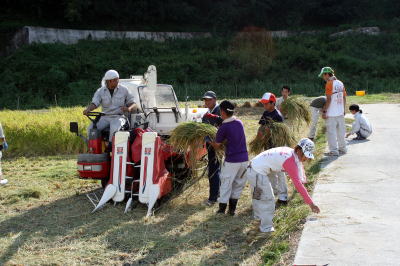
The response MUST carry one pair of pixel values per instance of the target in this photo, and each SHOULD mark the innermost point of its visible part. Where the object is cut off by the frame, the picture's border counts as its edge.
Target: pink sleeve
(290, 167)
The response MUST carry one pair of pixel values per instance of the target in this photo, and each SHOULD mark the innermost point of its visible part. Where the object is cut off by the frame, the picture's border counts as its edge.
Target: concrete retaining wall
(29, 35)
(69, 36)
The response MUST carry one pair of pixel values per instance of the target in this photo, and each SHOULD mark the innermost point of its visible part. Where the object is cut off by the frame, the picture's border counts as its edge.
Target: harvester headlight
(87, 168)
(94, 168)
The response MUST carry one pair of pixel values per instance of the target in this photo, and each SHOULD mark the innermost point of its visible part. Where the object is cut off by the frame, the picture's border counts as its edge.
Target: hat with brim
(307, 146)
(325, 70)
(209, 95)
(268, 97)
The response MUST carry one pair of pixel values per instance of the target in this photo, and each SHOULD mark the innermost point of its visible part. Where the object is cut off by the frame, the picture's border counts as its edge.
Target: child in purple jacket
(231, 134)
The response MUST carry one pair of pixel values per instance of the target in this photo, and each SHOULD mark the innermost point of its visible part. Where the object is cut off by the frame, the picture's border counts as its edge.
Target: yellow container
(360, 93)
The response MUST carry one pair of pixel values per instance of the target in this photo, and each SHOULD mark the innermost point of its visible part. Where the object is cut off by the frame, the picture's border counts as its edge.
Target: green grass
(374, 98)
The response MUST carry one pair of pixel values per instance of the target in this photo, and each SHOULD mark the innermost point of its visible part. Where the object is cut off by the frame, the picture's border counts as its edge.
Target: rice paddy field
(45, 216)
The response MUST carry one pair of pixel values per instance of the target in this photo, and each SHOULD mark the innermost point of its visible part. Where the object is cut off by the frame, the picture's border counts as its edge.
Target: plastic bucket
(360, 93)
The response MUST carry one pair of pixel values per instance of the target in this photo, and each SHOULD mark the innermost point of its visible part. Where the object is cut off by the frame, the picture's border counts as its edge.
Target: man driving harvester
(115, 99)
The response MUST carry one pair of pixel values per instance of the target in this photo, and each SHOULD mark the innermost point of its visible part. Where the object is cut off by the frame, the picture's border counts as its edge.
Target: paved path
(359, 198)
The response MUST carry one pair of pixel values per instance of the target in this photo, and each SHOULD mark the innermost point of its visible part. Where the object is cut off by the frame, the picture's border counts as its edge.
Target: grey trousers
(264, 207)
(279, 185)
(232, 182)
(336, 131)
(315, 113)
(115, 122)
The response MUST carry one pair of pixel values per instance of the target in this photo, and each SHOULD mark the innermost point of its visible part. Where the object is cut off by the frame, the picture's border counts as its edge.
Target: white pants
(336, 131)
(231, 185)
(114, 121)
(263, 208)
(279, 185)
(315, 113)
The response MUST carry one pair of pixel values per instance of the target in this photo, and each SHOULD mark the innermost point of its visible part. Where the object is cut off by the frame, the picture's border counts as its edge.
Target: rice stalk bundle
(297, 110)
(189, 138)
(271, 135)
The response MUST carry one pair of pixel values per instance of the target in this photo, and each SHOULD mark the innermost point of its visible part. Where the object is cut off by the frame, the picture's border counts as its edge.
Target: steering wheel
(95, 117)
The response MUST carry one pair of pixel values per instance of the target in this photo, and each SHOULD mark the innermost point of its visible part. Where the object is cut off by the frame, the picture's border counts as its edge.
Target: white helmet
(307, 147)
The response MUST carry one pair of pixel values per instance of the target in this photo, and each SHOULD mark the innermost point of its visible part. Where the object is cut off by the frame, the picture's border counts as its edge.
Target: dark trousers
(213, 174)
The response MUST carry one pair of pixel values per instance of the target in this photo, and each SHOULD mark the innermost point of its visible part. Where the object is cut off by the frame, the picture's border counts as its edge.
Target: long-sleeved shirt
(232, 131)
(215, 121)
(283, 159)
(111, 104)
(275, 115)
(361, 124)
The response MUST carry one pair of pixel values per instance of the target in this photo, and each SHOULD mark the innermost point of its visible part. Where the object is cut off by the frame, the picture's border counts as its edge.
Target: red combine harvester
(141, 165)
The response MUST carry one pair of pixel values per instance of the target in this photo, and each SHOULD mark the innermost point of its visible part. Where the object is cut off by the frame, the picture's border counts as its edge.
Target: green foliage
(275, 251)
(40, 75)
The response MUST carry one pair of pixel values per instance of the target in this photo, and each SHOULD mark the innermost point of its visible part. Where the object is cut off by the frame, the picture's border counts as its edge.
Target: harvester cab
(141, 165)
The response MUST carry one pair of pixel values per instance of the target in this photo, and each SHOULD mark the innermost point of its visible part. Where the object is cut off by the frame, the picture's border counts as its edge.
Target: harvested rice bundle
(297, 110)
(271, 135)
(189, 138)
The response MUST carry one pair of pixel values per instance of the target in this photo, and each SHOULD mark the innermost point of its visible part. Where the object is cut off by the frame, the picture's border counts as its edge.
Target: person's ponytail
(360, 111)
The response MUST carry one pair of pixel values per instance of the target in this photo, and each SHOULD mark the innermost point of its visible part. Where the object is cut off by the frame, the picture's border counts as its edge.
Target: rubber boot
(222, 208)
(232, 206)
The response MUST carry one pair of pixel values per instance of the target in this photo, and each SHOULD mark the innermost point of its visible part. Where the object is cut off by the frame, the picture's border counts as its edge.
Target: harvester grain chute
(141, 165)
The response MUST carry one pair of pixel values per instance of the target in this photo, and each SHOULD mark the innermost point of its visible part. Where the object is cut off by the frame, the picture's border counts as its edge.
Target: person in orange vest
(334, 111)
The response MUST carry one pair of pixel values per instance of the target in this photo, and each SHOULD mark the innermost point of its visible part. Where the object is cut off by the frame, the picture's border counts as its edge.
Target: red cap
(268, 97)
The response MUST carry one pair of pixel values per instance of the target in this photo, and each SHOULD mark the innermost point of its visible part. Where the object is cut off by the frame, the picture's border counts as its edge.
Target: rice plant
(271, 135)
(297, 111)
(43, 132)
(189, 137)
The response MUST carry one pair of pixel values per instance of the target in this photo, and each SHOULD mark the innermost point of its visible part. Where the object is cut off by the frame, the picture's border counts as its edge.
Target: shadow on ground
(171, 232)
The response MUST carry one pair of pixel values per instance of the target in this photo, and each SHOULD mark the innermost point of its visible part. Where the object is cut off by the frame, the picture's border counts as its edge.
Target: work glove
(210, 115)
(5, 145)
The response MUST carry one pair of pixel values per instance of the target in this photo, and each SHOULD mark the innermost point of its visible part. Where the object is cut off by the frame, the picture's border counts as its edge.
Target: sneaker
(209, 203)
(342, 152)
(3, 182)
(358, 138)
(331, 153)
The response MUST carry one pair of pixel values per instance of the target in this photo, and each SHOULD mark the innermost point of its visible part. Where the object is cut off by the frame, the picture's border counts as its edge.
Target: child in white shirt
(361, 126)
